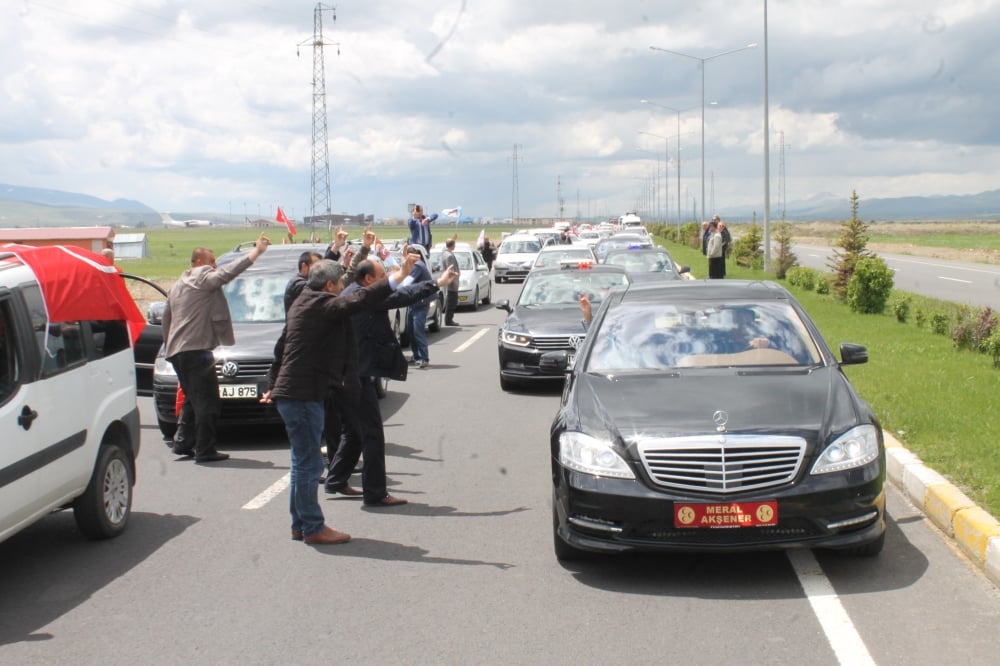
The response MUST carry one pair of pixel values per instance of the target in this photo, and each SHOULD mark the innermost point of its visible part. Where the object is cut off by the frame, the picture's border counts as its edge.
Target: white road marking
(465, 345)
(276, 489)
(840, 632)
(941, 277)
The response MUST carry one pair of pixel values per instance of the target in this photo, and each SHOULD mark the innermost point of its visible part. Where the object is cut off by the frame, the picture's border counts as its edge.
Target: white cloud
(186, 105)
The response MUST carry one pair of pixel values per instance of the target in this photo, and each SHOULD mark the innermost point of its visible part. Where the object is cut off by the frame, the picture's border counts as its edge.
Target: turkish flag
(78, 284)
(281, 217)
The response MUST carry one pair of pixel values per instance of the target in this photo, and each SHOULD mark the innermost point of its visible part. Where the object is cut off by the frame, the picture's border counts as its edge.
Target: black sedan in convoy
(547, 317)
(711, 415)
(646, 263)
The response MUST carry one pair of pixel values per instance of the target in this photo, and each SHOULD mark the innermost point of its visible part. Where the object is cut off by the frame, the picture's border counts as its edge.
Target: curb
(973, 530)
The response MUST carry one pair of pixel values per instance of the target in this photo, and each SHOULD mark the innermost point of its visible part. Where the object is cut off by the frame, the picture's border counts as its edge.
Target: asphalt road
(969, 282)
(464, 574)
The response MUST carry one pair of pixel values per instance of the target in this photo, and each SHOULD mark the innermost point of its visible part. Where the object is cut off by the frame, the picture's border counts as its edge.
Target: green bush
(823, 285)
(992, 347)
(919, 318)
(747, 248)
(939, 323)
(801, 276)
(901, 308)
(870, 285)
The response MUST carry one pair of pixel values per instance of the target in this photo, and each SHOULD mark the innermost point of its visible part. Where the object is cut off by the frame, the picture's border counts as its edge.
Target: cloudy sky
(195, 106)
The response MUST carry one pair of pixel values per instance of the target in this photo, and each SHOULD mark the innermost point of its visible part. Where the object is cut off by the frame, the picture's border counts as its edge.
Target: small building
(94, 239)
(131, 246)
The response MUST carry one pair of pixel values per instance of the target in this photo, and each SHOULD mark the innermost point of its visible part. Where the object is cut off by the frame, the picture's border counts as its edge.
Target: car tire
(870, 549)
(565, 552)
(435, 323)
(102, 511)
(381, 386)
(475, 299)
(489, 294)
(167, 428)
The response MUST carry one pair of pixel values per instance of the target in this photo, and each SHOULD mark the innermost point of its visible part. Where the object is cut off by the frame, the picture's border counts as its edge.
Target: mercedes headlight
(855, 448)
(590, 455)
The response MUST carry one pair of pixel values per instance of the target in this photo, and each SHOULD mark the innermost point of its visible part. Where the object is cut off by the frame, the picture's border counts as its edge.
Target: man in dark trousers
(450, 261)
(320, 351)
(196, 320)
(378, 348)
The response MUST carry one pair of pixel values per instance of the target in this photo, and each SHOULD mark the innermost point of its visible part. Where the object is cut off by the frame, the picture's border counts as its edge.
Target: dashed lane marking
(465, 345)
(276, 489)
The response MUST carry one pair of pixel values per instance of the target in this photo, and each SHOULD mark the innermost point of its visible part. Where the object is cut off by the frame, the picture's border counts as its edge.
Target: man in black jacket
(319, 351)
(378, 350)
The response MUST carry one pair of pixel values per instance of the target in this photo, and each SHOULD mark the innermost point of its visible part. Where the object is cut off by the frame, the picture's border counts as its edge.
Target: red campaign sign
(732, 514)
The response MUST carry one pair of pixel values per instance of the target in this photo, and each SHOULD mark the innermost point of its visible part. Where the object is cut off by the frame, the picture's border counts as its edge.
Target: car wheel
(489, 294)
(435, 322)
(564, 551)
(475, 299)
(167, 429)
(870, 549)
(103, 509)
(381, 386)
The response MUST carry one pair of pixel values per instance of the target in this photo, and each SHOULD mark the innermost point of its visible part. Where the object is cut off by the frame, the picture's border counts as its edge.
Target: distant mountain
(71, 199)
(826, 206)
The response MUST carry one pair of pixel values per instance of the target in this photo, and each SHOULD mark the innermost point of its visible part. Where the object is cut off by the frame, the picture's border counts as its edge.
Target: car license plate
(729, 514)
(237, 391)
(462, 299)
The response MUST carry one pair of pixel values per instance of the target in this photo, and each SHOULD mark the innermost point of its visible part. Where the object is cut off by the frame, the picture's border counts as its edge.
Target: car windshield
(660, 336)
(608, 244)
(552, 258)
(566, 287)
(256, 298)
(641, 262)
(519, 247)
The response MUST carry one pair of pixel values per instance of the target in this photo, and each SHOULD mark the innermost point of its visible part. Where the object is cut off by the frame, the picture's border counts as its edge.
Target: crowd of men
(337, 341)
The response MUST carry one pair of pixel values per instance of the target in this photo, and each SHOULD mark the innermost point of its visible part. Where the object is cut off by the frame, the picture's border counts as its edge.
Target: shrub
(992, 347)
(870, 285)
(823, 285)
(919, 318)
(901, 308)
(747, 248)
(939, 323)
(801, 276)
(982, 330)
(961, 334)
(850, 249)
(785, 258)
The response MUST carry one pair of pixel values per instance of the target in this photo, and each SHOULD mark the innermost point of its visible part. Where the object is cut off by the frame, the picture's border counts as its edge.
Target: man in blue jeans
(320, 351)
(416, 313)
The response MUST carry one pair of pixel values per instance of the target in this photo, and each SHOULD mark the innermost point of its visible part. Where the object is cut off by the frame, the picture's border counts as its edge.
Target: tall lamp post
(702, 62)
(666, 160)
(677, 145)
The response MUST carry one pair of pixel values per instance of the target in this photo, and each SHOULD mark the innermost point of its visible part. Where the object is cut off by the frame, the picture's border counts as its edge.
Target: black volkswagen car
(711, 415)
(546, 317)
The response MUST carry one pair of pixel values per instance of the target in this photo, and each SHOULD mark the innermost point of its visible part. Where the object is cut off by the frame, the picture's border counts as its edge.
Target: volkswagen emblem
(720, 418)
(230, 369)
(575, 341)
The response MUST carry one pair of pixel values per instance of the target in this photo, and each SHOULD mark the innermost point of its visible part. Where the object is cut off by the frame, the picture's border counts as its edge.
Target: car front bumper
(615, 515)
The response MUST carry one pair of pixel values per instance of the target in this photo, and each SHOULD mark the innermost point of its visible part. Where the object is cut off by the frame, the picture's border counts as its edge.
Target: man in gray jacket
(196, 320)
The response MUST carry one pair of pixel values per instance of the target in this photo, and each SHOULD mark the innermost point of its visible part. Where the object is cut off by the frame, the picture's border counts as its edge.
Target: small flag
(281, 217)
(482, 239)
(453, 212)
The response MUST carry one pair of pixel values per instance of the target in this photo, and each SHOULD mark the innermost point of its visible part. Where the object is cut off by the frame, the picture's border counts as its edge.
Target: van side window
(60, 344)
(9, 370)
(109, 337)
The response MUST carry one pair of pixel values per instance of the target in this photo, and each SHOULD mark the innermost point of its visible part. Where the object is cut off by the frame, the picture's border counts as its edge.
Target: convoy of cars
(695, 415)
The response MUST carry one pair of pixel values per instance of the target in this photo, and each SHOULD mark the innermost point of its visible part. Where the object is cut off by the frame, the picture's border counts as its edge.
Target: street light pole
(702, 62)
(677, 143)
(767, 160)
(666, 159)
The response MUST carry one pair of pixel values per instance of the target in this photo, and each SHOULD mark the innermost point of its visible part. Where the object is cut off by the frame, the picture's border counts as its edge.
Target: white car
(551, 256)
(69, 424)
(474, 286)
(515, 256)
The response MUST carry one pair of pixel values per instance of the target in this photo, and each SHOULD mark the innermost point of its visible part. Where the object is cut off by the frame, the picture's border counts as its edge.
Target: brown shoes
(388, 500)
(325, 536)
(296, 535)
(345, 491)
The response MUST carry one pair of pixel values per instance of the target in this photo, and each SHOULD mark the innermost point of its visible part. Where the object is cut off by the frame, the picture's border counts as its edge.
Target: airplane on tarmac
(171, 222)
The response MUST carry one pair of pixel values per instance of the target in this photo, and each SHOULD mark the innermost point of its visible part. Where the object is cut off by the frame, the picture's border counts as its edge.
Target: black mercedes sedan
(711, 415)
(546, 317)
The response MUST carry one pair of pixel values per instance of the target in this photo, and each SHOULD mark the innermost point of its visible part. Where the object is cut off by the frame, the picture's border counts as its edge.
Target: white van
(69, 424)
(631, 222)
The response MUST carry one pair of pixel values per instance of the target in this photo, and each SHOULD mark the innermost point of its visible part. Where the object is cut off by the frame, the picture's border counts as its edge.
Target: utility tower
(320, 203)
